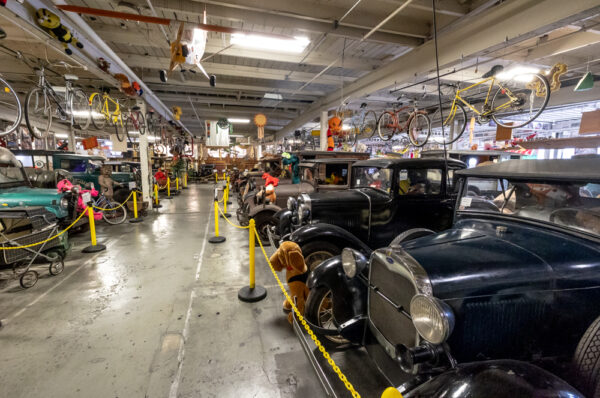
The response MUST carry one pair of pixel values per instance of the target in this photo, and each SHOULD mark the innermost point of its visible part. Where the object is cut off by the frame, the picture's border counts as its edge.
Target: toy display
(335, 128)
(289, 256)
(293, 162)
(51, 23)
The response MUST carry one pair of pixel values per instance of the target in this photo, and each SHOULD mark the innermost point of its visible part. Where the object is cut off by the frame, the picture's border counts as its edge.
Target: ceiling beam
(562, 45)
(217, 111)
(231, 101)
(528, 18)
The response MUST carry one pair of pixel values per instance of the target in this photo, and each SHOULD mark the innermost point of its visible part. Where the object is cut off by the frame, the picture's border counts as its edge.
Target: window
(420, 182)
(372, 177)
(333, 174)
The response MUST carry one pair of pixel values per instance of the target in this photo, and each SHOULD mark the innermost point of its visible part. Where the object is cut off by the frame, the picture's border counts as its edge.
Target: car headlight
(292, 203)
(64, 203)
(353, 262)
(303, 212)
(432, 318)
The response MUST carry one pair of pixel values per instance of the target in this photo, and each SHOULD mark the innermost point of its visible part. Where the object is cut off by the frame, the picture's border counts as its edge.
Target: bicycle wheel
(141, 123)
(131, 129)
(98, 118)
(38, 113)
(10, 101)
(150, 124)
(520, 100)
(116, 216)
(80, 109)
(448, 125)
(368, 124)
(120, 128)
(386, 126)
(419, 129)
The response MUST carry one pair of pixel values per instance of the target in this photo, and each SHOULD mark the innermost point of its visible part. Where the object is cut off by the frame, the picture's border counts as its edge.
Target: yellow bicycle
(513, 99)
(102, 114)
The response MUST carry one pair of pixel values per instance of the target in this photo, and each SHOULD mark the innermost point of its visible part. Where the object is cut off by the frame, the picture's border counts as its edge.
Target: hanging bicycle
(415, 122)
(364, 123)
(43, 103)
(10, 102)
(101, 114)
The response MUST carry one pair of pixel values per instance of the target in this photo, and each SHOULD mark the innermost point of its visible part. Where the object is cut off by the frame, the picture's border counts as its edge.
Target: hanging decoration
(260, 121)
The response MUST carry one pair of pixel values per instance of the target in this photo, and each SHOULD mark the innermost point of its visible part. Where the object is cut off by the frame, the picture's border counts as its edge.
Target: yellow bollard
(225, 197)
(156, 205)
(223, 175)
(216, 177)
(228, 187)
(391, 392)
(176, 183)
(95, 247)
(135, 218)
(168, 189)
(216, 238)
(185, 180)
(252, 293)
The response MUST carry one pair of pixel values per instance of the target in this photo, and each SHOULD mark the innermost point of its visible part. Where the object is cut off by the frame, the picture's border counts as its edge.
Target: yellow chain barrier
(49, 239)
(312, 335)
(230, 223)
(118, 207)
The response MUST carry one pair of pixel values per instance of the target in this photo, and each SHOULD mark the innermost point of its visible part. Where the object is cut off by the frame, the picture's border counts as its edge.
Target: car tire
(262, 221)
(316, 252)
(313, 308)
(587, 361)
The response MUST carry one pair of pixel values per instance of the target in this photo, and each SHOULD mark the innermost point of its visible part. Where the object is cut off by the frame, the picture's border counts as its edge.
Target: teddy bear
(289, 256)
(51, 23)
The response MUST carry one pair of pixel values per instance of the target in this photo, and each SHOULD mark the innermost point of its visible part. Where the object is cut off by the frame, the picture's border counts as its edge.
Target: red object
(270, 180)
(160, 177)
(90, 143)
(2, 2)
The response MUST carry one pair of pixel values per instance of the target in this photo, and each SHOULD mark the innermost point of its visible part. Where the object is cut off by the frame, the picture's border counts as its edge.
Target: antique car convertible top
(503, 304)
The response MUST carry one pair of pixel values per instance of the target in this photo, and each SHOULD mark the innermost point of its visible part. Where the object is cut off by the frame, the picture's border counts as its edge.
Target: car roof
(408, 162)
(581, 169)
(78, 156)
(313, 162)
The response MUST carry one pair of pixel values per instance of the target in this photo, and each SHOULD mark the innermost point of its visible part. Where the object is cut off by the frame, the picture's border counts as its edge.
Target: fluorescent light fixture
(519, 73)
(292, 45)
(238, 121)
(61, 135)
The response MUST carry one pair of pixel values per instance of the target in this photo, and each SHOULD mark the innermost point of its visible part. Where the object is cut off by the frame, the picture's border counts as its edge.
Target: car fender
(329, 232)
(495, 379)
(261, 208)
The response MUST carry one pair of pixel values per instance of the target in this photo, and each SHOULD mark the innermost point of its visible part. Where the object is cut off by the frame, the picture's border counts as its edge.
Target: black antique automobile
(388, 196)
(515, 282)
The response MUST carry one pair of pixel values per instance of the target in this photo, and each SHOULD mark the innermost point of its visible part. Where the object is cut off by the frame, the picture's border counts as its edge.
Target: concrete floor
(155, 315)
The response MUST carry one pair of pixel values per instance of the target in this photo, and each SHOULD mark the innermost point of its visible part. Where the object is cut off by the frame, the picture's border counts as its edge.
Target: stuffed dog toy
(289, 256)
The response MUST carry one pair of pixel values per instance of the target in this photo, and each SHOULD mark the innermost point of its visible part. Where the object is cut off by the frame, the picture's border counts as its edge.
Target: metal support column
(323, 134)
(72, 139)
(144, 159)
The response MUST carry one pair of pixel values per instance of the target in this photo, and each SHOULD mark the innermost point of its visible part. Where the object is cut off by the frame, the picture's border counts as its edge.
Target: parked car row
(458, 282)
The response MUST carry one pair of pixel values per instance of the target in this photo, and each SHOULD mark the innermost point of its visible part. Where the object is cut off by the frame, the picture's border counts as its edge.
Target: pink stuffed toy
(67, 186)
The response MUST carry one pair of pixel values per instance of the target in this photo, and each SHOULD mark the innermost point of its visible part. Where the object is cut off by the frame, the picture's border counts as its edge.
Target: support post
(252, 293)
(144, 159)
(156, 204)
(135, 218)
(94, 247)
(323, 134)
(217, 238)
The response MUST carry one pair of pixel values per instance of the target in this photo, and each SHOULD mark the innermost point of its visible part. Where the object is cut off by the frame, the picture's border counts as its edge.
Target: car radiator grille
(389, 302)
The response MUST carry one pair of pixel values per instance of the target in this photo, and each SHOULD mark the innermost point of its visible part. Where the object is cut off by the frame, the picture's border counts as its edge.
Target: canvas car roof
(408, 162)
(581, 169)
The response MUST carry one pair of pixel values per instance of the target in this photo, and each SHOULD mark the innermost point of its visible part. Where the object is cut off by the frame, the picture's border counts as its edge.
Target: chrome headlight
(292, 203)
(303, 212)
(353, 262)
(64, 203)
(433, 319)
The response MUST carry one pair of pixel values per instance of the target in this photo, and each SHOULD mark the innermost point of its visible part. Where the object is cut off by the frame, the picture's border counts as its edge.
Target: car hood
(473, 259)
(348, 197)
(25, 196)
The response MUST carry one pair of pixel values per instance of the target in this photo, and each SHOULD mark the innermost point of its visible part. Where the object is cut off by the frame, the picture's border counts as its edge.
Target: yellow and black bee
(51, 23)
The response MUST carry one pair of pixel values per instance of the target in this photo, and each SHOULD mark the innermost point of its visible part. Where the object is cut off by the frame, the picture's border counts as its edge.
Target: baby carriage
(22, 226)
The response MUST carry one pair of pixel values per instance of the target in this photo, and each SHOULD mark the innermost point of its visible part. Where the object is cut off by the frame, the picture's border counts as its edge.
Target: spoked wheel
(116, 216)
(38, 113)
(520, 100)
(10, 101)
(81, 109)
(120, 130)
(319, 311)
(98, 118)
(57, 264)
(449, 124)
(263, 223)
(28, 279)
(419, 130)
(318, 251)
(368, 125)
(387, 125)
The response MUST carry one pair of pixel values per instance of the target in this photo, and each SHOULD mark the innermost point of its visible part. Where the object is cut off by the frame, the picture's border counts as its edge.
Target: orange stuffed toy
(335, 127)
(289, 256)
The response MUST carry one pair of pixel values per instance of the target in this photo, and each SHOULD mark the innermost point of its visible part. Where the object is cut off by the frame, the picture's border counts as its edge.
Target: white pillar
(324, 127)
(71, 139)
(144, 160)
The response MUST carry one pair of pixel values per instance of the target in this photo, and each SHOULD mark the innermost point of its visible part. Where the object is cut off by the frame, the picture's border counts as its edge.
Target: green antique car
(17, 191)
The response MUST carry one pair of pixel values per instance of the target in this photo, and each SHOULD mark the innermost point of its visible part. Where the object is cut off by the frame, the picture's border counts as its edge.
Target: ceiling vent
(271, 100)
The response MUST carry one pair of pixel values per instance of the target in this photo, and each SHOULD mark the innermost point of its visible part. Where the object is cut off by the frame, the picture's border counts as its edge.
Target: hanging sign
(260, 120)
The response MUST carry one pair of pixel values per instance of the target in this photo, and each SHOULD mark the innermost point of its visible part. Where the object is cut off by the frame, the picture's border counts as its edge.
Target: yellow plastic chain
(312, 335)
(118, 207)
(84, 212)
(230, 223)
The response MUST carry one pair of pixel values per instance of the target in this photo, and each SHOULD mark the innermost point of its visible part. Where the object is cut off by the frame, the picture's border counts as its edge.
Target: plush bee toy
(51, 23)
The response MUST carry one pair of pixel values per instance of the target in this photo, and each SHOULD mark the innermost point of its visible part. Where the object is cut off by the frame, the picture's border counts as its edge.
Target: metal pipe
(349, 11)
(380, 24)
(162, 28)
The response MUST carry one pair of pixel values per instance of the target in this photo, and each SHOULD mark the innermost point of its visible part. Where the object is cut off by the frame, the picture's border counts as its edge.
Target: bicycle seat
(135, 108)
(71, 78)
(493, 72)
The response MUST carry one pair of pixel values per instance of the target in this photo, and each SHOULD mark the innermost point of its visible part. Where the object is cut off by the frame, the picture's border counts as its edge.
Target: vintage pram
(22, 226)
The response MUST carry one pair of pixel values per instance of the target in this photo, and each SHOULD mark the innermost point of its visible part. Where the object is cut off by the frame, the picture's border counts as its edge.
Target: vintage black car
(317, 175)
(516, 278)
(388, 196)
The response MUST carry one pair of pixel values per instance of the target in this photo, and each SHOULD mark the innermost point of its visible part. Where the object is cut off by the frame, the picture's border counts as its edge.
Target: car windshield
(11, 176)
(568, 204)
(372, 177)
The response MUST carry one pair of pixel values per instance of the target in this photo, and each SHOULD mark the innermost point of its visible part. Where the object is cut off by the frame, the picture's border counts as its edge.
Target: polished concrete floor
(155, 315)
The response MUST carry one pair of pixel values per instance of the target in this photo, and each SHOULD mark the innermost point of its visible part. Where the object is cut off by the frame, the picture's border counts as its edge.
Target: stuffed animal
(176, 112)
(289, 256)
(270, 180)
(335, 127)
(103, 64)
(293, 162)
(51, 23)
(66, 186)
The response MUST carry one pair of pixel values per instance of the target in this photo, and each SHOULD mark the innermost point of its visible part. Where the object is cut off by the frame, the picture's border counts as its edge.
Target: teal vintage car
(17, 191)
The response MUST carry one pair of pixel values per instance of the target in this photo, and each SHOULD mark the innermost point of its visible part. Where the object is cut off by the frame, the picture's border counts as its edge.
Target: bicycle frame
(50, 93)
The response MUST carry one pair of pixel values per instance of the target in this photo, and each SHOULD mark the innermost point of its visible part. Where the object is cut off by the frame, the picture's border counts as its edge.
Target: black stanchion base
(94, 249)
(136, 220)
(216, 239)
(229, 202)
(167, 197)
(252, 295)
(225, 215)
(185, 187)
(155, 206)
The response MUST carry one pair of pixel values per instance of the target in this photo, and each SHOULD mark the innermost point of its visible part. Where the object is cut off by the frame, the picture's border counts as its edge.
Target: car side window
(419, 182)
(333, 174)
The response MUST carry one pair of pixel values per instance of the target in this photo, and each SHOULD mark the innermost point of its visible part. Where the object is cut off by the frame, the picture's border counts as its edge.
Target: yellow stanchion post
(217, 238)
(223, 175)
(94, 247)
(216, 177)
(168, 189)
(185, 181)
(156, 203)
(225, 201)
(228, 201)
(177, 183)
(135, 218)
(252, 293)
